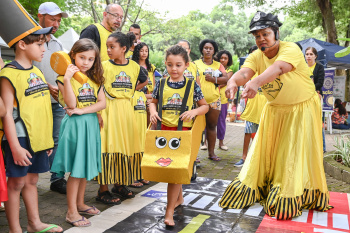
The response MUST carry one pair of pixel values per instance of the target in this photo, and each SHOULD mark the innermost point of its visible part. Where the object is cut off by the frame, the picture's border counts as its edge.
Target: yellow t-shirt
(210, 90)
(150, 84)
(104, 34)
(312, 68)
(129, 54)
(139, 103)
(120, 80)
(290, 88)
(86, 94)
(223, 97)
(254, 107)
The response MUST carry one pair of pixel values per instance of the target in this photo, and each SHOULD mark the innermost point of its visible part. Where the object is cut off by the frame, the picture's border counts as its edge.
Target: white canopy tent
(68, 39)
(5, 51)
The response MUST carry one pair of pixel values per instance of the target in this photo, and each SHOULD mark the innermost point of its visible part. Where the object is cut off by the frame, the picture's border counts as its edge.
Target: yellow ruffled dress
(284, 167)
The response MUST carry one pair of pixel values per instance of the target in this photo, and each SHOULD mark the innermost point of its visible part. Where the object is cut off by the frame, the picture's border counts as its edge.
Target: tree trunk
(125, 15)
(347, 43)
(328, 17)
(93, 11)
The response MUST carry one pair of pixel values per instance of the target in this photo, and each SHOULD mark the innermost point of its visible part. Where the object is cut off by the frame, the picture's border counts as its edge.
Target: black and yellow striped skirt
(284, 167)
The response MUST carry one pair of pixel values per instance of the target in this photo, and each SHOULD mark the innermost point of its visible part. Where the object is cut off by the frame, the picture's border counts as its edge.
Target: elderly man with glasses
(99, 32)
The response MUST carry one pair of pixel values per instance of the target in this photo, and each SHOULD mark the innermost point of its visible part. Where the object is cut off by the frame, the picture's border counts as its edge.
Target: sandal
(215, 158)
(83, 219)
(136, 184)
(88, 211)
(145, 182)
(107, 198)
(51, 226)
(123, 191)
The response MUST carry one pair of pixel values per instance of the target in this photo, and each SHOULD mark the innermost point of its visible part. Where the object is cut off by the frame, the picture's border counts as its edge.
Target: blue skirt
(79, 147)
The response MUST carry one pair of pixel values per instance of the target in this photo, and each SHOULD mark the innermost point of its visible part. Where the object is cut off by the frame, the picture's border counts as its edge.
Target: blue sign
(154, 194)
(327, 90)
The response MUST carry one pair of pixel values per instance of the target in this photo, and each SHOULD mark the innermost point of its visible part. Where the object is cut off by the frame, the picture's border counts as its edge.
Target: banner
(327, 89)
(339, 87)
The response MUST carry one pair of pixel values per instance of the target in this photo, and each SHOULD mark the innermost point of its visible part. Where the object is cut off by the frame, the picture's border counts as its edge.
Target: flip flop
(134, 185)
(215, 158)
(144, 182)
(89, 213)
(47, 229)
(80, 220)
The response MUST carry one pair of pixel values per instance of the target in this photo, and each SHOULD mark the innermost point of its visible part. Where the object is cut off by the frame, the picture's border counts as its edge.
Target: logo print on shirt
(122, 81)
(36, 84)
(86, 93)
(140, 105)
(188, 74)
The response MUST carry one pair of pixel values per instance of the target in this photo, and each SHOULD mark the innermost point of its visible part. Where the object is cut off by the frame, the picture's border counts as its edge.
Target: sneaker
(204, 147)
(59, 186)
(239, 163)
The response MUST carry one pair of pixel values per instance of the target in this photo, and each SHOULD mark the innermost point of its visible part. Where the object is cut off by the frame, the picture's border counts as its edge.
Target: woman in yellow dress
(211, 75)
(284, 167)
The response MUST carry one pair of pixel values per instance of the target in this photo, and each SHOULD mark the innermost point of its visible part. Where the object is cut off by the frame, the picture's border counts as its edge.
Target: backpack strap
(184, 102)
(160, 102)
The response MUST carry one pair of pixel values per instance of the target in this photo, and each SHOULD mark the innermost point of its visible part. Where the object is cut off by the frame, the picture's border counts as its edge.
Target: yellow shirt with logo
(32, 97)
(104, 33)
(139, 104)
(210, 90)
(120, 80)
(172, 101)
(86, 93)
(191, 72)
(223, 97)
(150, 84)
(254, 107)
(286, 88)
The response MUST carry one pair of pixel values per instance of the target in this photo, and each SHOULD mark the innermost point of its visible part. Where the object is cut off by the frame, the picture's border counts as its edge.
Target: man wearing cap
(50, 15)
(284, 167)
(99, 32)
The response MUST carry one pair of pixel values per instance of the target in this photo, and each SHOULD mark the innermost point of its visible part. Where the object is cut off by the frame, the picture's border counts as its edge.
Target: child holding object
(176, 63)
(79, 146)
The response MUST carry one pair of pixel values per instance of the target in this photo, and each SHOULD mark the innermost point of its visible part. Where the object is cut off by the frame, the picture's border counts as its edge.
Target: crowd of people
(101, 134)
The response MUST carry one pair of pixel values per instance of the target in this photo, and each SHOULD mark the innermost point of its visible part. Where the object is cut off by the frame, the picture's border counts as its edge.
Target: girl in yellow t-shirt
(284, 167)
(225, 58)
(176, 60)
(79, 145)
(121, 152)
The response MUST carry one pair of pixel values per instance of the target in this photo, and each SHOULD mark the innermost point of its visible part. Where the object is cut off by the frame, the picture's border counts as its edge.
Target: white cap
(51, 8)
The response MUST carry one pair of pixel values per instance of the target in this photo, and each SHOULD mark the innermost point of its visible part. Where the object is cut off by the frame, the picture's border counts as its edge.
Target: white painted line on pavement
(203, 202)
(320, 218)
(302, 217)
(341, 221)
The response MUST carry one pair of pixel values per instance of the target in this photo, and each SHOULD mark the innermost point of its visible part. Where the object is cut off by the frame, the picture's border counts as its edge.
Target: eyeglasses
(115, 15)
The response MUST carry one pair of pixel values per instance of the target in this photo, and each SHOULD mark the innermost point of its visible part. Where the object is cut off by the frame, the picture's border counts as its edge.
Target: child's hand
(20, 157)
(49, 152)
(77, 111)
(71, 70)
(188, 115)
(100, 120)
(154, 117)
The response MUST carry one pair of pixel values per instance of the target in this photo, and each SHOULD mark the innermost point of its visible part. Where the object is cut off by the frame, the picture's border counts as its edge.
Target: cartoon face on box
(170, 149)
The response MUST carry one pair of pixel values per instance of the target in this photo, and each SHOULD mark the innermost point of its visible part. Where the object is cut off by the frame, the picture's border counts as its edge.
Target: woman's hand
(21, 157)
(100, 120)
(49, 152)
(76, 111)
(188, 115)
(209, 78)
(71, 70)
(231, 89)
(250, 90)
(154, 118)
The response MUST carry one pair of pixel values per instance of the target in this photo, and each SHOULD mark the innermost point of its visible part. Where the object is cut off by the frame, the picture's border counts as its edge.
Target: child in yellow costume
(173, 93)
(284, 167)
(120, 150)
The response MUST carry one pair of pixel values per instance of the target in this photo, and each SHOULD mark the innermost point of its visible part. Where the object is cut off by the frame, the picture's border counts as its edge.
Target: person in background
(2, 64)
(99, 32)
(211, 75)
(136, 29)
(225, 58)
(339, 116)
(316, 69)
(50, 15)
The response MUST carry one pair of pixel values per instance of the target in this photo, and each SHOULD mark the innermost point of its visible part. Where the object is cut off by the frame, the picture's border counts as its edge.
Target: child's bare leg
(14, 187)
(30, 198)
(81, 206)
(172, 198)
(180, 198)
(73, 185)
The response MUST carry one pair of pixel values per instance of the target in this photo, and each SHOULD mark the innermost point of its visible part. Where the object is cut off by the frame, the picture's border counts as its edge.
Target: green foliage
(342, 149)
(157, 59)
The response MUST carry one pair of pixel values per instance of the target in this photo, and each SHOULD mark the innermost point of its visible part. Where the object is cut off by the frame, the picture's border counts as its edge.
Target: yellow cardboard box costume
(179, 147)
